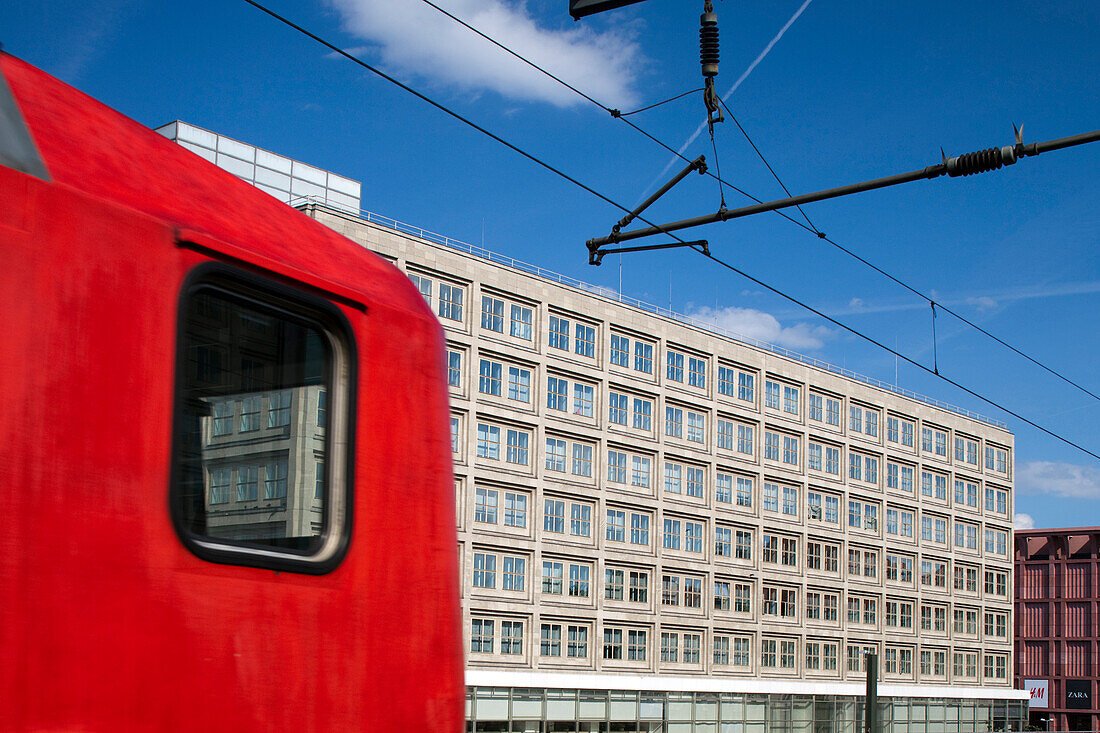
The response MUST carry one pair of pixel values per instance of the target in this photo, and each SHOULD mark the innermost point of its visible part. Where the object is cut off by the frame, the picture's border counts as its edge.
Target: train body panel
(107, 620)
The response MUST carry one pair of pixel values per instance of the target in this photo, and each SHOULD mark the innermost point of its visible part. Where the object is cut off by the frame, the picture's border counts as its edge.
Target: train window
(264, 386)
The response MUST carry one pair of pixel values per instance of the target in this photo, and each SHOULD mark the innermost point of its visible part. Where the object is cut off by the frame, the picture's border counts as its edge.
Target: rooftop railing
(613, 295)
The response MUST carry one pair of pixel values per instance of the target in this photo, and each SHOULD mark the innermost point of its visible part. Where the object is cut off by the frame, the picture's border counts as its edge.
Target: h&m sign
(1040, 693)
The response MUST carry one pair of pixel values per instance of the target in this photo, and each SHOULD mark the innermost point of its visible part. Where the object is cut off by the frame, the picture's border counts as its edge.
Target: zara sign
(1040, 691)
(1079, 694)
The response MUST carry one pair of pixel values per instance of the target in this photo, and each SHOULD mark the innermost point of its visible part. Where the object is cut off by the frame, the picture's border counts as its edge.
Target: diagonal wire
(613, 112)
(767, 164)
(441, 108)
(811, 228)
(657, 104)
(898, 354)
(711, 257)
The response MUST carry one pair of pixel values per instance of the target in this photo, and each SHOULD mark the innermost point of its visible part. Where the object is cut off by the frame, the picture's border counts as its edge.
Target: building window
(771, 395)
(640, 471)
(552, 577)
(517, 451)
(511, 637)
(488, 441)
(555, 455)
(559, 333)
(423, 284)
(620, 350)
(515, 509)
(582, 460)
(616, 525)
(490, 377)
(579, 581)
(790, 449)
(485, 566)
(670, 646)
(584, 341)
(577, 645)
(580, 520)
(636, 645)
(697, 372)
(519, 384)
(512, 575)
(671, 535)
(616, 467)
(745, 439)
(275, 479)
(550, 640)
(485, 505)
(613, 644)
(617, 408)
(694, 482)
(674, 422)
(557, 394)
(639, 587)
(745, 389)
(643, 357)
(790, 399)
(454, 368)
(520, 326)
(613, 584)
(481, 636)
(639, 529)
(771, 446)
(675, 367)
(278, 409)
(723, 542)
(643, 414)
(450, 302)
(554, 516)
(697, 428)
(492, 314)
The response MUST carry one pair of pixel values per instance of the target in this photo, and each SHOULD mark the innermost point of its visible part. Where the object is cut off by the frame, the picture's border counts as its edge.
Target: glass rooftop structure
(287, 180)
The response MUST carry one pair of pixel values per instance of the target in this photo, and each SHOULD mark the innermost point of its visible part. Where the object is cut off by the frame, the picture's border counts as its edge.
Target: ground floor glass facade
(532, 710)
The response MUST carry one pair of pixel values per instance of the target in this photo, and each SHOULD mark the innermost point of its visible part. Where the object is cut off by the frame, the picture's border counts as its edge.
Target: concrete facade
(649, 508)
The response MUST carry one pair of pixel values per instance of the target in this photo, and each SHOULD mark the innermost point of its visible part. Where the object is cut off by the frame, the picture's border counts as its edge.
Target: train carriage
(224, 457)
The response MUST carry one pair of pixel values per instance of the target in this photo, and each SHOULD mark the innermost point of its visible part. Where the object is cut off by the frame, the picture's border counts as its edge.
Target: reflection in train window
(257, 479)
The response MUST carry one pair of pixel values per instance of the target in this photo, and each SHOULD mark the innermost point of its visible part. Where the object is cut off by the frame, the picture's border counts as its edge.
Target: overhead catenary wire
(901, 356)
(655, 104)
(810, 228)
(767, 164)
(706, 254)
(440, 107)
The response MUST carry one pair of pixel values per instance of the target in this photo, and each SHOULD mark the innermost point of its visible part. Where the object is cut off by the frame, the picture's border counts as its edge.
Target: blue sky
(849, 91)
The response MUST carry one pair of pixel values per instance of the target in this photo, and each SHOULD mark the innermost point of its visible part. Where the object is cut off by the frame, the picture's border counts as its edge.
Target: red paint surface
(107, 622)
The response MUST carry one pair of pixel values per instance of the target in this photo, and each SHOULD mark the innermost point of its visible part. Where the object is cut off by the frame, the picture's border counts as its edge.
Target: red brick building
(1057, 637)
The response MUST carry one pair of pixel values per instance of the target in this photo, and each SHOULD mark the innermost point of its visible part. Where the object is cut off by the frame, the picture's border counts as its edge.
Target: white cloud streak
(765, 327)
(729, 92)
(412, 38)
(1065, 480)
(1023, 521)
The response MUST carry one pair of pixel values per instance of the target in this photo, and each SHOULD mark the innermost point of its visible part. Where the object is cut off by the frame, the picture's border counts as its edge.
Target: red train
(226, 489)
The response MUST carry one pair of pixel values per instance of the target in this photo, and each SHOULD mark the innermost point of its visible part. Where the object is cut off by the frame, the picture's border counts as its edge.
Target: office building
(664, 527)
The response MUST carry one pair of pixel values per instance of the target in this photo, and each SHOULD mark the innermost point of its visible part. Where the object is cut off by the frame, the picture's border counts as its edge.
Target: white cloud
(856, 303)
(765, 327)
(1066, 480)
(1022, 521)
(982, 303)
(413, 38)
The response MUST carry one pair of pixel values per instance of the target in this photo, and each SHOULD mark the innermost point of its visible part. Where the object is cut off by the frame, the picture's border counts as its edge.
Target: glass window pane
(243, 357)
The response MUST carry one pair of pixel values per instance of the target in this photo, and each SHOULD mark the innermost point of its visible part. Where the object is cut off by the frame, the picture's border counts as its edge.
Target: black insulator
(981, 161)
(708, 43)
